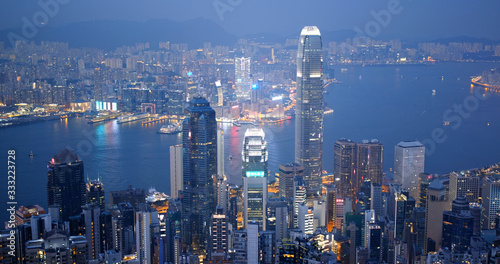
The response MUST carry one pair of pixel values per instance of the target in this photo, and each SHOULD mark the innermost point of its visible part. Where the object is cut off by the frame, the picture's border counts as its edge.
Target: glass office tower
(199, 143)
(254, 162)
(309, 108)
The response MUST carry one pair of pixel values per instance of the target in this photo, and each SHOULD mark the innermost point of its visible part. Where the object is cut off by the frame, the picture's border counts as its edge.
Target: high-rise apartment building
(310, 108)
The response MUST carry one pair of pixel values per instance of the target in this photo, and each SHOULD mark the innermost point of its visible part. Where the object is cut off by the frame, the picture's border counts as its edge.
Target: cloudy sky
(418, 19)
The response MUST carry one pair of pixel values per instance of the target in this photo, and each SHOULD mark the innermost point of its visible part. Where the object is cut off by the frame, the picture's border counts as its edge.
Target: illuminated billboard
(107, 106)
(255, 174)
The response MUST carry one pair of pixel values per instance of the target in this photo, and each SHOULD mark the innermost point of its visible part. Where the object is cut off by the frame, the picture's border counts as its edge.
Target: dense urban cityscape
(358, 213)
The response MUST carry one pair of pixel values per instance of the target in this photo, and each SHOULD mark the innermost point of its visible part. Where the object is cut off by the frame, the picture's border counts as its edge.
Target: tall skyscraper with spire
(199, 143)
(309, 108)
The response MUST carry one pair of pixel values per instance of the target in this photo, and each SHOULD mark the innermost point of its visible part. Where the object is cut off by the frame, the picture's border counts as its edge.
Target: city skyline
(244, 135)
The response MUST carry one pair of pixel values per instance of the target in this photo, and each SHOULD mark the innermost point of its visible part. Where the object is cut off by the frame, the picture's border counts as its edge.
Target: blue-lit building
(199, 143)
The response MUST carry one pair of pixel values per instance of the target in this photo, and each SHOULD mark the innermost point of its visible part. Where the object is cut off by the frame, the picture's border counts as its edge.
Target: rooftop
(65, 156)
(436, 184)
(310, 31)
(409, 144)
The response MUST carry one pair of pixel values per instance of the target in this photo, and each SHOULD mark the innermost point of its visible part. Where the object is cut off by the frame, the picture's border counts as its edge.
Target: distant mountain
(327, 36)
(111, 34)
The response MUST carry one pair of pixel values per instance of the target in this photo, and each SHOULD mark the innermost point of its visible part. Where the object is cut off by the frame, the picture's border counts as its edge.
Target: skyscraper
(355, 163)
(344, 167)
(95, 194)
(491, 202)
(175, 170)
(252, 242)
(65, 184)
(463, 184)
(287, 172)
(277, 217)
(458, 225)
(369, 160)
(310, 108)
(437, 202)
(299, 197)
(305, 219)
(219, 234)
(242, 78)
(376, 199)
(220, 153)
(147, 229)
(331, 203)
(254, 162)
(92, 224)
(409, 160)
(199, 142)
(98, 83)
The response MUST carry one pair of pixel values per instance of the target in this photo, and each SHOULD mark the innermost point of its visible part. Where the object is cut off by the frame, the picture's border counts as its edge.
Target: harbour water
(390, 103)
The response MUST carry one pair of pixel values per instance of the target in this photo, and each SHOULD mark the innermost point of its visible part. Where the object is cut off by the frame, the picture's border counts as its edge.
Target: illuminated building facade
(219, 234)
(466, 185)
(299, 197)
(310, 108)
(199, 142)
(255, 174)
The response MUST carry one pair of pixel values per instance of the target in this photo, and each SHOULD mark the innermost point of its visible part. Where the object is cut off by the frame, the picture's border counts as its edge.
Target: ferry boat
(170, 129)
(104, 117)
(239, 123)
(131, 118)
